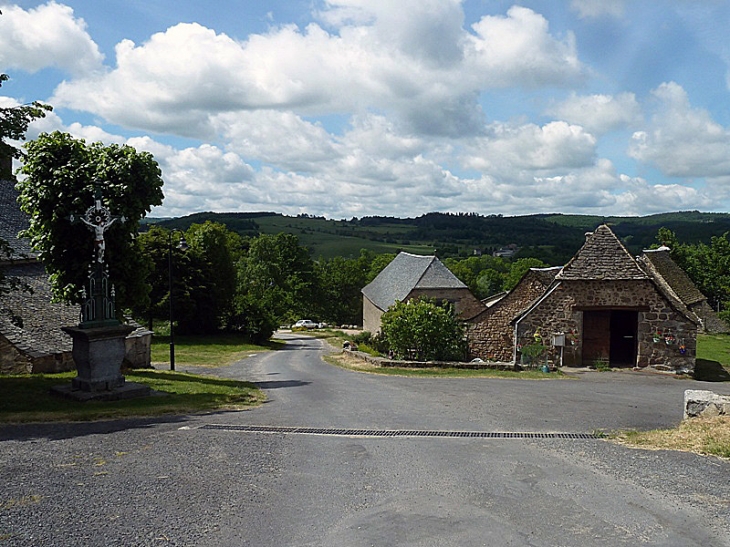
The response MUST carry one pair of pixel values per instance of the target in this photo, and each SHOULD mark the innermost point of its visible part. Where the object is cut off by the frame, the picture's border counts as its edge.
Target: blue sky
(349, 108)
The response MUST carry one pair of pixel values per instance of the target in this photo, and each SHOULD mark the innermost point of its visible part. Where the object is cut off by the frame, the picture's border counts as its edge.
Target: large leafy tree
(278, 273)
(422, 330)
(339, 283)
(62, 174)
(211, 277)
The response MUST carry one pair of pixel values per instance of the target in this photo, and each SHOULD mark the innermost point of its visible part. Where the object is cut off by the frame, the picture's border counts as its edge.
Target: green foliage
(61, 173)
(707, 265)
(252, 320)
(339, 282)
(279, 274)
(488, 275)
(14, 122)
(210, 277)
(421, 330)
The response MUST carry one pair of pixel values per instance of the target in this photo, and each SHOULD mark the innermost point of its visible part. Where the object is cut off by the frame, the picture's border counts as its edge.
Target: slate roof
(41, 332)
(404, 274)
(42, 319)
(658, 261)
(12, 219)
(602, 257)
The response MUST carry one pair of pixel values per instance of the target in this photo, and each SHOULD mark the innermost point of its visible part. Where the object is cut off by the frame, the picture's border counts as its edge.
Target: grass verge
(708, 436)
(212, 350)
(339, 360)
(714, 347)
(26, 398)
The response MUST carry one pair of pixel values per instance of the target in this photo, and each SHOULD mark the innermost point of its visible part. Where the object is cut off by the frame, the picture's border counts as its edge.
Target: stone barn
(490, 333)
(411, 276)
(601, 307)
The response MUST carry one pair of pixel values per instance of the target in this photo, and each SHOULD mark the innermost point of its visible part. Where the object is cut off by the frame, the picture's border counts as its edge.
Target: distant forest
(552, 238)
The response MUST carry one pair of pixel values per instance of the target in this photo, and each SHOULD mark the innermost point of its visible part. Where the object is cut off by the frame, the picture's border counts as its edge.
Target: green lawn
(713, 357)
(209, 350)
(26, 398)
(714, 347)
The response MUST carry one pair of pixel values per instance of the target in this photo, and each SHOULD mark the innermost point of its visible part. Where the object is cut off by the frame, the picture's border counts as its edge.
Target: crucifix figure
(98, 218)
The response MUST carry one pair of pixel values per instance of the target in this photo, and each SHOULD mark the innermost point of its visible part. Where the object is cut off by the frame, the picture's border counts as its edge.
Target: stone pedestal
(98, 354)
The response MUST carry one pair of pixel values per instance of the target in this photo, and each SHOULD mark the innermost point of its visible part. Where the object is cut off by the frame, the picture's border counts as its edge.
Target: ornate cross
(98, 218)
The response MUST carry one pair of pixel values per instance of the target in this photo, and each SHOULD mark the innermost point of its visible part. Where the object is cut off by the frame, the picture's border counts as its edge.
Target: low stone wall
(699, 402)
(385, 362)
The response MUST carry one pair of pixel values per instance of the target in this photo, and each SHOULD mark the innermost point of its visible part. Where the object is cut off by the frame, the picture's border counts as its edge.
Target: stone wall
(562, 312)
(491, 334)
(13, 361)
(371, 315)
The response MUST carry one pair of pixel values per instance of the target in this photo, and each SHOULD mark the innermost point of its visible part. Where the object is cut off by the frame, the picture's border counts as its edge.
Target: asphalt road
(208, 481)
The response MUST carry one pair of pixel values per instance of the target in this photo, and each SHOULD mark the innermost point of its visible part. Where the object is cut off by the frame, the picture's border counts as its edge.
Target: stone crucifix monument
(99, 339)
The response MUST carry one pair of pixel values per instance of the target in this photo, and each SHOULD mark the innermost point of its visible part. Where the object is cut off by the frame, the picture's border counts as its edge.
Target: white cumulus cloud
(47, 36)
(600, 113)
(682, 141)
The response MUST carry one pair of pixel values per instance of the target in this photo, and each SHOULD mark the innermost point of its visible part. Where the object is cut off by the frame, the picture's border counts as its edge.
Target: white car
(305, 324)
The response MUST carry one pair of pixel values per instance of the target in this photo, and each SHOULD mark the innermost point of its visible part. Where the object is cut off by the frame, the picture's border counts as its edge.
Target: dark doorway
(623, 338)
(609, 336)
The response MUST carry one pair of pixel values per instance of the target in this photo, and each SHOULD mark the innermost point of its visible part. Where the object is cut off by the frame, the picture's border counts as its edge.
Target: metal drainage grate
(398, 432)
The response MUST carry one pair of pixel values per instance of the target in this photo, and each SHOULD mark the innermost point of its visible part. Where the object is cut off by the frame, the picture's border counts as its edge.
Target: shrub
(422, 330)
(252, 320)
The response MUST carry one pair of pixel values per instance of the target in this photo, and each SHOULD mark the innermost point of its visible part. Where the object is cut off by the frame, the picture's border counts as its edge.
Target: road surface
(339, 458)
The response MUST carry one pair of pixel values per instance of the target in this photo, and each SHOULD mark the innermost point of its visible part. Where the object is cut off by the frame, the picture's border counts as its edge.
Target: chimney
(6, 167)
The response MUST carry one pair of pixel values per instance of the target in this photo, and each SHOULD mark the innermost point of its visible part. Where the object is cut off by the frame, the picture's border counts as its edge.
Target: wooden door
(596, 336)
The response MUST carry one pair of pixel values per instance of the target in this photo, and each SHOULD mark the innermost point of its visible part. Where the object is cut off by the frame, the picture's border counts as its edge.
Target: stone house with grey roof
(603, 306)
(31, 339)
(411, 276)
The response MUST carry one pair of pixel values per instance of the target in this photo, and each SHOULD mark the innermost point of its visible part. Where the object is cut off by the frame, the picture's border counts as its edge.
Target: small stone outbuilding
(490, 333)
(602, 307)
(411, 276)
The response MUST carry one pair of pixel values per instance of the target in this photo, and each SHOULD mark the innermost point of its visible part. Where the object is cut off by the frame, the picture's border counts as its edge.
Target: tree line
(225, 280)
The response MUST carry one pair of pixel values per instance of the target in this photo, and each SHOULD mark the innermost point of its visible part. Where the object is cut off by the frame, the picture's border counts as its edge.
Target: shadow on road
(280, 384)
(58, 431)
(711, 371)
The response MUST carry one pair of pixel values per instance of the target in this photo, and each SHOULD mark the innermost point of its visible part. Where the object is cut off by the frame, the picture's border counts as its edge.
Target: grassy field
(714, 347)
(328, 239)
(26, 398)
(208, 351)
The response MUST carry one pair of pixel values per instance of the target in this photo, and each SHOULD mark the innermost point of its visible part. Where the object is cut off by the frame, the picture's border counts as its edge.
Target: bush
(422, 330)
(252, 320)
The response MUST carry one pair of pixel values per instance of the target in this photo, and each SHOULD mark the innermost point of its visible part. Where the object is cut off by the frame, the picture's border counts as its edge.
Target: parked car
(305, 324)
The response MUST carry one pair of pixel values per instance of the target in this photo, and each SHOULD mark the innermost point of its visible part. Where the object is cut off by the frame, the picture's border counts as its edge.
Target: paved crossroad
(315, 467)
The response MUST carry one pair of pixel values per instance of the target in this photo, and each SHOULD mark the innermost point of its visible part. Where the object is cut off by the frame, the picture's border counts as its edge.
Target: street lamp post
(182, 245)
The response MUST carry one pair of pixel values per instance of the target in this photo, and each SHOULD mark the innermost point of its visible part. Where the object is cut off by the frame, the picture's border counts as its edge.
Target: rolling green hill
(553, 238)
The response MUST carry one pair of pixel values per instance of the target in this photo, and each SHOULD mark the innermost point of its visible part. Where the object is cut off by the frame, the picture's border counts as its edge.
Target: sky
(353, 108)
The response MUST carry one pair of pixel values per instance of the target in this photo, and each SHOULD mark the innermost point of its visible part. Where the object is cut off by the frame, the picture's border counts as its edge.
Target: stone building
(601, 307)
(665, 271)
(31, 339)
(411, 276)
(490, 333)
